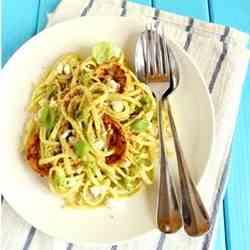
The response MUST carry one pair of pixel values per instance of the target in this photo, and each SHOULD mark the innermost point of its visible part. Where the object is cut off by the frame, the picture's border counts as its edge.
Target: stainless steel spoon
(156, 65)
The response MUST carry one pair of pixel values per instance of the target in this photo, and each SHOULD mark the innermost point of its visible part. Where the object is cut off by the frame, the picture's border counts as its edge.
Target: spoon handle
(168, 218)
(195, 216)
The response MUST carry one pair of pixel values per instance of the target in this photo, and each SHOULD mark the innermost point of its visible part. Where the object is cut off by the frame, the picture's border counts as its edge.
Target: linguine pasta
(92, 128)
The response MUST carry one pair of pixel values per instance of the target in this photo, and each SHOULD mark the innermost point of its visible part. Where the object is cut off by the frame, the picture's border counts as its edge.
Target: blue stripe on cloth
(87, 8)
(216, 205)
(124, 8)
(224, 177)
(29, 238)
(220, 60)
(69, 246)
(189, 36)
(225, 34)
(156, 14)
(161, 242)
(114, 247)
(190, 24)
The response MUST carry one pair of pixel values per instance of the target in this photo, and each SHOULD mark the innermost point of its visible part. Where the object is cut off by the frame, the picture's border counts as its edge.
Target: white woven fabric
(223, 58)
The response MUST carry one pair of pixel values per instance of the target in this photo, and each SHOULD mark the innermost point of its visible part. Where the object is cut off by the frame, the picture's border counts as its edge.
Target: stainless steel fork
(151, 68)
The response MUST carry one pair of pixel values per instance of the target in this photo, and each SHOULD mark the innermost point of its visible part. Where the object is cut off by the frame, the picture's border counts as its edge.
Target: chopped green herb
(81, 148)
(44, 113)
(140, 125)
(146, 102)
(104, 51)
(48, 117)
(59, 178)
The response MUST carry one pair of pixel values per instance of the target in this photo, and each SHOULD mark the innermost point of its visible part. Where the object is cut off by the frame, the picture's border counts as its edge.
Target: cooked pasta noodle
(92, 128)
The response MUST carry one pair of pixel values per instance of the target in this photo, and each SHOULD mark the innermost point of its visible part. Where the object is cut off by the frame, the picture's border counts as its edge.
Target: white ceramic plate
(29, 195)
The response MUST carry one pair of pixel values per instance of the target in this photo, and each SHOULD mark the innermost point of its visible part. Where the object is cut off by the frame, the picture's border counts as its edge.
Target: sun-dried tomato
(116, 140)
(119, 76)
(33, 156)
(116, 72)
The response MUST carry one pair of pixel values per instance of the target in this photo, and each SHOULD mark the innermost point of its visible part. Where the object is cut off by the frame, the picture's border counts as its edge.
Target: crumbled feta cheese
(98, 190)
(71, 182)
(113, 85)
(126, 163)
(79, 170)
(52, 103)
(99, 144)
(67, 69)
(117, 106)
(66, 134)
(60, 69)
(72, 140)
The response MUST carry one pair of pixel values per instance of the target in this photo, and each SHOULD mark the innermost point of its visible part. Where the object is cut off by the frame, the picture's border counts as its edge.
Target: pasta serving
(92, 128)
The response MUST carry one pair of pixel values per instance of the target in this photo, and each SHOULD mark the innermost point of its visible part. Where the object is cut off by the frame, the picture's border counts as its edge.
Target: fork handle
(168, 215)
(195, 216)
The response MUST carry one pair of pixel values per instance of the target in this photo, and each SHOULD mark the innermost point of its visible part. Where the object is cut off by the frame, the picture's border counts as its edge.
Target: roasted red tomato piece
(116, 72)
(33, 156)
(116, 140)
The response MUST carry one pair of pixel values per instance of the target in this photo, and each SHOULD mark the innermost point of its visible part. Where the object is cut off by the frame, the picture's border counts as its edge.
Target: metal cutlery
(155, 65)
(169, 217)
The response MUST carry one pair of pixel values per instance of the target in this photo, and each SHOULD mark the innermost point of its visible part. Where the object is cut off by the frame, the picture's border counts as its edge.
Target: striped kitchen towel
(223, 58)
